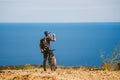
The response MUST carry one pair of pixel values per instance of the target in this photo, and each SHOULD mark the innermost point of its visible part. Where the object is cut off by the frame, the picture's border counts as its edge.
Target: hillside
(62, 73)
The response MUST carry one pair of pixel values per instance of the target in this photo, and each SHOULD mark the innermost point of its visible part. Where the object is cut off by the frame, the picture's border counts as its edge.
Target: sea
(77, 44)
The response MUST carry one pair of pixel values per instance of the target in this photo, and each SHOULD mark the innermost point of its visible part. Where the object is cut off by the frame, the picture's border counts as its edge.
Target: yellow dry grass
(59, 74)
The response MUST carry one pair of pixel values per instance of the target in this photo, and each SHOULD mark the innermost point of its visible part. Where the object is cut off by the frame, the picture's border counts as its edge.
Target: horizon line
(59, 22)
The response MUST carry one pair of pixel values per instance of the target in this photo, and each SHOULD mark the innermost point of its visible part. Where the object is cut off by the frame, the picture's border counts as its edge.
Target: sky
(59, 10)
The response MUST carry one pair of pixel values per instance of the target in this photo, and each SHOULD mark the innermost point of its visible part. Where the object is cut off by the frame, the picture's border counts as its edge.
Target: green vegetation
(30, 66)
(19, 67)
(111, 62)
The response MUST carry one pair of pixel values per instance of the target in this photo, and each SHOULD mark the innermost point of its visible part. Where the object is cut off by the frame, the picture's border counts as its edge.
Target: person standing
(45, 47)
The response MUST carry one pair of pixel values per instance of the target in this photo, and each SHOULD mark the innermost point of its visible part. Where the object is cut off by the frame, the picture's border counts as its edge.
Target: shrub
(27, 66)
(111, 62)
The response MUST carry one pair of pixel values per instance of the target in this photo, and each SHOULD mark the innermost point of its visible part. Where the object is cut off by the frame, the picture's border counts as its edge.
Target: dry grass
(68, 73)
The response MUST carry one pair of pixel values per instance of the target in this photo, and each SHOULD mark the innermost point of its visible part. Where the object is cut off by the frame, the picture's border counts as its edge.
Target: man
(45, 47)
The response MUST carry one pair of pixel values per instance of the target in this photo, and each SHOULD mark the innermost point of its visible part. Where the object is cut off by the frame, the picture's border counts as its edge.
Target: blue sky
(59, 10)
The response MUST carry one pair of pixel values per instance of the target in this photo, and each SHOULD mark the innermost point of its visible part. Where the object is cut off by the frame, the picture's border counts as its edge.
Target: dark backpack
(43, 44)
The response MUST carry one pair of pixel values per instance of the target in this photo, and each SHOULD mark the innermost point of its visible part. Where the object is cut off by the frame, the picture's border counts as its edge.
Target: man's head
(47, 33)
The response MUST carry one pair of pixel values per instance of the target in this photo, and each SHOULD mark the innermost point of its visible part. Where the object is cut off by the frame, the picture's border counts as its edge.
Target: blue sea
(78, 44)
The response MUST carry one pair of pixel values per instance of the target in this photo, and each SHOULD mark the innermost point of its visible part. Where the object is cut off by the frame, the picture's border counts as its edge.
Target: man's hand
(54, 35)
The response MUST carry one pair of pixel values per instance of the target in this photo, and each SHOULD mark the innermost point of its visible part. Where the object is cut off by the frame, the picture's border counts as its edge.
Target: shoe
(45, 70)
(56, 67)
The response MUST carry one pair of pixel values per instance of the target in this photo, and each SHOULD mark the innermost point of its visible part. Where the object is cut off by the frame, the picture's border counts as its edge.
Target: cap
(46, 33)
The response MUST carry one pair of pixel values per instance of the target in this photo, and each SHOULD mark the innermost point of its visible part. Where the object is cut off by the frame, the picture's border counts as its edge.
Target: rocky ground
(59, 74)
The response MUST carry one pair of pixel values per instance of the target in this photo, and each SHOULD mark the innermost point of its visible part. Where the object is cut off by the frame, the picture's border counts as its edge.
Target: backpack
(43, 44)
